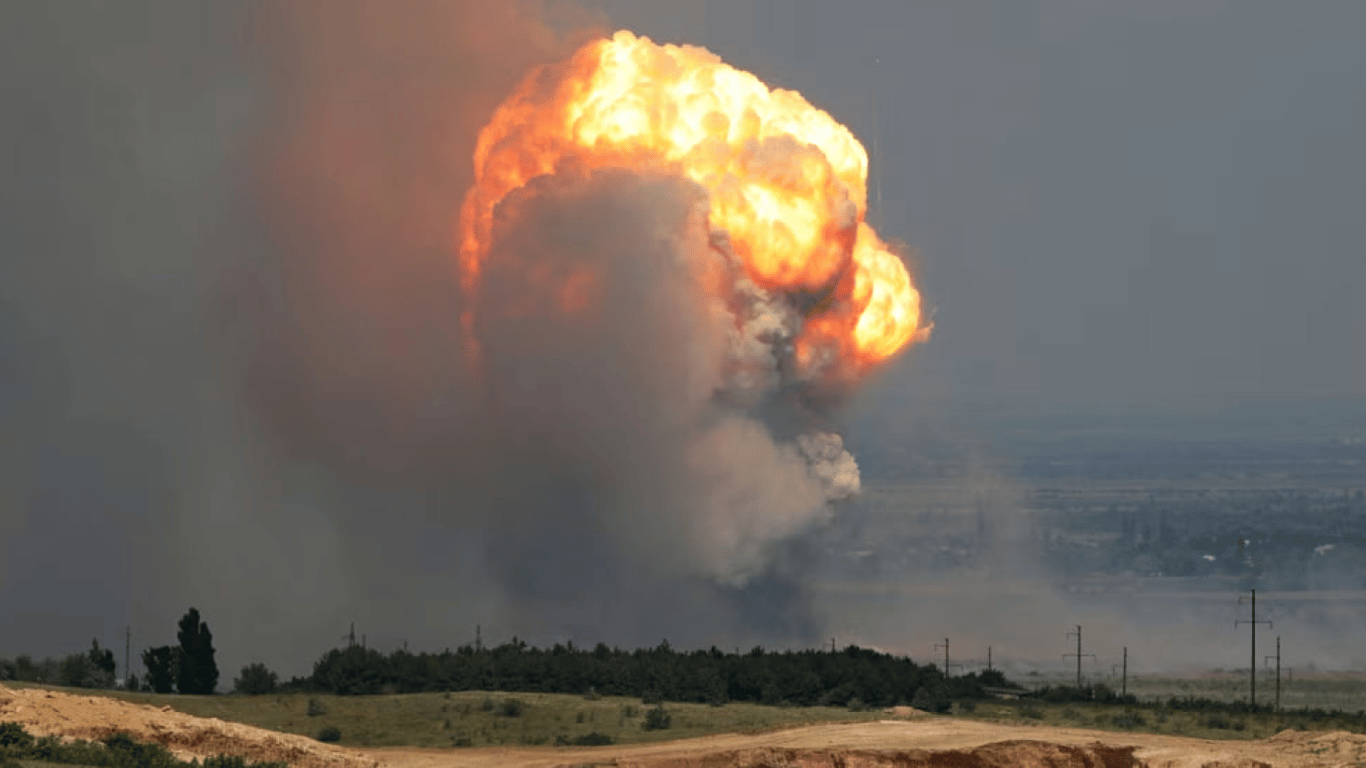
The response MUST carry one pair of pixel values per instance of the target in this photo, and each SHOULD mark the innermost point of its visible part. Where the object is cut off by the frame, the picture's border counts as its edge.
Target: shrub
(329, 734)
(255, 680)
(125, 750)
(9, 762)
(652, 697)
(967, 707)
(593, 739)
(1130, 719)
(511, 708)
(931, 698)
(657, 719)
(592, 694)
(14, 735)
(486, 705)
(316, 708)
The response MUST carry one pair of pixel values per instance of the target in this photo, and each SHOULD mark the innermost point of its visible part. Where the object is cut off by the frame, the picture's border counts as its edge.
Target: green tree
(103, 664)
(255, 680)
(198, 674)
(162, 668)
(74, 671)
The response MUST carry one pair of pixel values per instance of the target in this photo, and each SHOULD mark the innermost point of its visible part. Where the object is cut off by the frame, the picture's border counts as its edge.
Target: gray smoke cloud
(230, 292)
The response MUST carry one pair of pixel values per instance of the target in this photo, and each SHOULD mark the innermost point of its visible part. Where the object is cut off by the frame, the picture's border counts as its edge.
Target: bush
(125, 750)
(255, 680)
(9, 762)
(856, 705)
(593, 739)
(931, 698)
(13, 735)
(329, 734)
(316, 708)
(486, 705)
(657, 719)
(1130, 719)
(511, 708)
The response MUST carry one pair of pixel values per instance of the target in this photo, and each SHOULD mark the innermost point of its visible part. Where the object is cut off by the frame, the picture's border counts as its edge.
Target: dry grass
(479, 718)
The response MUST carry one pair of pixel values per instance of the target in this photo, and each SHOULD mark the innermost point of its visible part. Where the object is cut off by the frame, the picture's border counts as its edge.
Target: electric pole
(1124, 670)
(1252, 698)
(945, 646)
(1078, 654)
(989, 658)
(127, 648)
(1278, 672)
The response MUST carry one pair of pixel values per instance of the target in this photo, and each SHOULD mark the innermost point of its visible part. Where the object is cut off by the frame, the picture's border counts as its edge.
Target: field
(480, 718)
(489, 728)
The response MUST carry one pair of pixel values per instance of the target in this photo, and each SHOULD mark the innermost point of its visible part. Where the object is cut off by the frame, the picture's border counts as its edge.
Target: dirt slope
(48, 713)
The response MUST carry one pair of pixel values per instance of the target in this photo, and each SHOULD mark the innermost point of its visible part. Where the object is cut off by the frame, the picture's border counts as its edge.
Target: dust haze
(243, 384)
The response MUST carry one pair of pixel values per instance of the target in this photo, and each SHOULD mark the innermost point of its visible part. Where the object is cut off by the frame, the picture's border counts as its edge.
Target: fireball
(785, 182)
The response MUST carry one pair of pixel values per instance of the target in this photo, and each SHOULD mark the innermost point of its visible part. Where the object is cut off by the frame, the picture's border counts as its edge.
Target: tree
(198, 672)
(162, 667)
(255, 680)
(102, 659)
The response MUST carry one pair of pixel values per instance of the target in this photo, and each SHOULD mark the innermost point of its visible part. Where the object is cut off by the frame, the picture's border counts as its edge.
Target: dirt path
(927, 742)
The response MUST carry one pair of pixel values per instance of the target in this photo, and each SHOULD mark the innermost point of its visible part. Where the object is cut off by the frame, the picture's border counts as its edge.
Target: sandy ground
(907, 740)
(49, 713)
(928, 742)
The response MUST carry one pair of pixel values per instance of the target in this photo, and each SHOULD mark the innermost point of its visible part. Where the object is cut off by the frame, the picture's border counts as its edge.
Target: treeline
(91, 669)
(851, 677)
(187, 667)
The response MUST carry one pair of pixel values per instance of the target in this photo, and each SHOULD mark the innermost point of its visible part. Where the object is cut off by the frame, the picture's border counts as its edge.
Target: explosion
(663, 280)
(786, 186)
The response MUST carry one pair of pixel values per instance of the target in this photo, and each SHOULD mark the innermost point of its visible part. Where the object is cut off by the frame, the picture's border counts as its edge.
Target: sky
(1112, 206)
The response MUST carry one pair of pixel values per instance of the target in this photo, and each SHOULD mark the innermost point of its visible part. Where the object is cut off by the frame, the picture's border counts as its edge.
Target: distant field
(1344, 691)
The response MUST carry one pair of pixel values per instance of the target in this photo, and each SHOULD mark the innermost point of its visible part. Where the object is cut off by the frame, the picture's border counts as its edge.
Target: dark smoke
(230, 295)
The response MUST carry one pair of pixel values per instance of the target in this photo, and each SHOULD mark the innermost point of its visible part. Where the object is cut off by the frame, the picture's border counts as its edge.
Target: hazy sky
(1115, 204)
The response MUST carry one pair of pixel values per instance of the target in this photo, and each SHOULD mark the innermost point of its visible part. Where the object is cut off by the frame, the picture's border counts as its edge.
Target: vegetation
(115, 751)
(91, 669)
(255, 680)
(462, 719)
(801, 678)
(197, 673)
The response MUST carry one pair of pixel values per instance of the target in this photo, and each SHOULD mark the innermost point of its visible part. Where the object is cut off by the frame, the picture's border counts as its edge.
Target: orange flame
(786, 182)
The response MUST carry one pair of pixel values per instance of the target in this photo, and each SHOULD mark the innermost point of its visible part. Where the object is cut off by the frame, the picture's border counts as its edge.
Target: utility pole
(1252, 698)
(127, 648)
(1124, 680)
(945, 646)
(832, 645)
(478, 638)
(1278, 672)
(1078, 654)
(989, 658)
